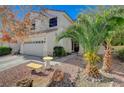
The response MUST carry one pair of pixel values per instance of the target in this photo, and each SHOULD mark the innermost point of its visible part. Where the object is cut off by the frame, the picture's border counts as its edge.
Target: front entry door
(75, 46)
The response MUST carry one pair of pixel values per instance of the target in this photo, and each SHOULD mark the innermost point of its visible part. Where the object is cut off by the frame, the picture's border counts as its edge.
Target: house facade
(46, 25)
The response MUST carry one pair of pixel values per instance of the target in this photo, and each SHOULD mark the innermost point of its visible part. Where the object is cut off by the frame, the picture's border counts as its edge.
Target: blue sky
(71, 10)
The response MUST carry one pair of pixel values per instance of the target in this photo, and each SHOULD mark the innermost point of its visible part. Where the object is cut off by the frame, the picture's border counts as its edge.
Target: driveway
(10, 61)
(7, 62)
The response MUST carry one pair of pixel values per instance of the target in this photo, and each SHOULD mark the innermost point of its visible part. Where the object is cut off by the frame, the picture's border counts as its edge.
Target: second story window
(53, 22)
(33, 26)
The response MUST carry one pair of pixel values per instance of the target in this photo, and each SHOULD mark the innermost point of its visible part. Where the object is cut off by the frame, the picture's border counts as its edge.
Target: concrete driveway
(7, 62)
(10, 61)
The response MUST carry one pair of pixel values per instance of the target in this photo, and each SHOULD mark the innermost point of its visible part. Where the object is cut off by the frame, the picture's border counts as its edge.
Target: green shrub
(5, 50)
(117, 41)
(120, 54)
(59, 51)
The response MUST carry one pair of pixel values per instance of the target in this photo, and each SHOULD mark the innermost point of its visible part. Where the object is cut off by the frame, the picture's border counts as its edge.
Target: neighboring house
(46, 25)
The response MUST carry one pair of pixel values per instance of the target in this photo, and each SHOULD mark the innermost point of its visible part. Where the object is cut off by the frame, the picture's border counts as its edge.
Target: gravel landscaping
(114, 79)
(10, 77)
(72, 67)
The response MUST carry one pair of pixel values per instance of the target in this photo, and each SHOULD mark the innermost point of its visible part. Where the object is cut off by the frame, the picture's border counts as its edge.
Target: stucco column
(80, 50)
(45, 51)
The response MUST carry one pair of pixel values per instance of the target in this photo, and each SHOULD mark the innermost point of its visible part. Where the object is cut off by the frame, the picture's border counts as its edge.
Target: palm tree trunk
(107, 59)
(92, 71)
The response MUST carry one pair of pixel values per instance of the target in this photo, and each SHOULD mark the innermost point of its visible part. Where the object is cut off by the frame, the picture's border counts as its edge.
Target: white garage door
(35, 48)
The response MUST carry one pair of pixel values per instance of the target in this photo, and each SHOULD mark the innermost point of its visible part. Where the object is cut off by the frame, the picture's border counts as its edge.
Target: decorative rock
(60, 79)
(109, 75)
(111, 84)
(58, 75)
(87, 78)
(25, 83)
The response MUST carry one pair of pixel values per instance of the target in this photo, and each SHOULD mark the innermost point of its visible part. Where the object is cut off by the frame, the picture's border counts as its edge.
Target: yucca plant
(87, 32)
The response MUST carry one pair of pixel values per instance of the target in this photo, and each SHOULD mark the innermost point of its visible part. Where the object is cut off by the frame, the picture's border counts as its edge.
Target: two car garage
(35, 48)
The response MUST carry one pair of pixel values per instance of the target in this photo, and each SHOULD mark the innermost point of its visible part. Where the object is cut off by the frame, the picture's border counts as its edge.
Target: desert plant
(87, 32)
(117, 42)
(112, 21)
(59, 51)
(113, 24)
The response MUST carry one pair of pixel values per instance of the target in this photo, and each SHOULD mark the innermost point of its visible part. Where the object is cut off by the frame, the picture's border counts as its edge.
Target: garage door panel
(33, 49)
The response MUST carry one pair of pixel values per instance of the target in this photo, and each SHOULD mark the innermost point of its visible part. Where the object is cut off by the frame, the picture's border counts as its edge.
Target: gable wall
(63, 24)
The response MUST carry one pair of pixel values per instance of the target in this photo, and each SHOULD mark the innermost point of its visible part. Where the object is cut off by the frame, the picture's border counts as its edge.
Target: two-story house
(46, 25)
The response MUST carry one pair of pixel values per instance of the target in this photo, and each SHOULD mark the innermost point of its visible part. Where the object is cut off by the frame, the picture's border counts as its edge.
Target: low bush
(120, 54)
(117, 41)
(59, 51)
(5, 50)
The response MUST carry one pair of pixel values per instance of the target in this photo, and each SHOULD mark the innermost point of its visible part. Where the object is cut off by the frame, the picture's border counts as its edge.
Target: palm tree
(114, 20)
(87, 32)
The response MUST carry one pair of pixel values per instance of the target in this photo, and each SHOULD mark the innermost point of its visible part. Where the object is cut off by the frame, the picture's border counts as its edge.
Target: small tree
(14, 30)
(6, 17)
